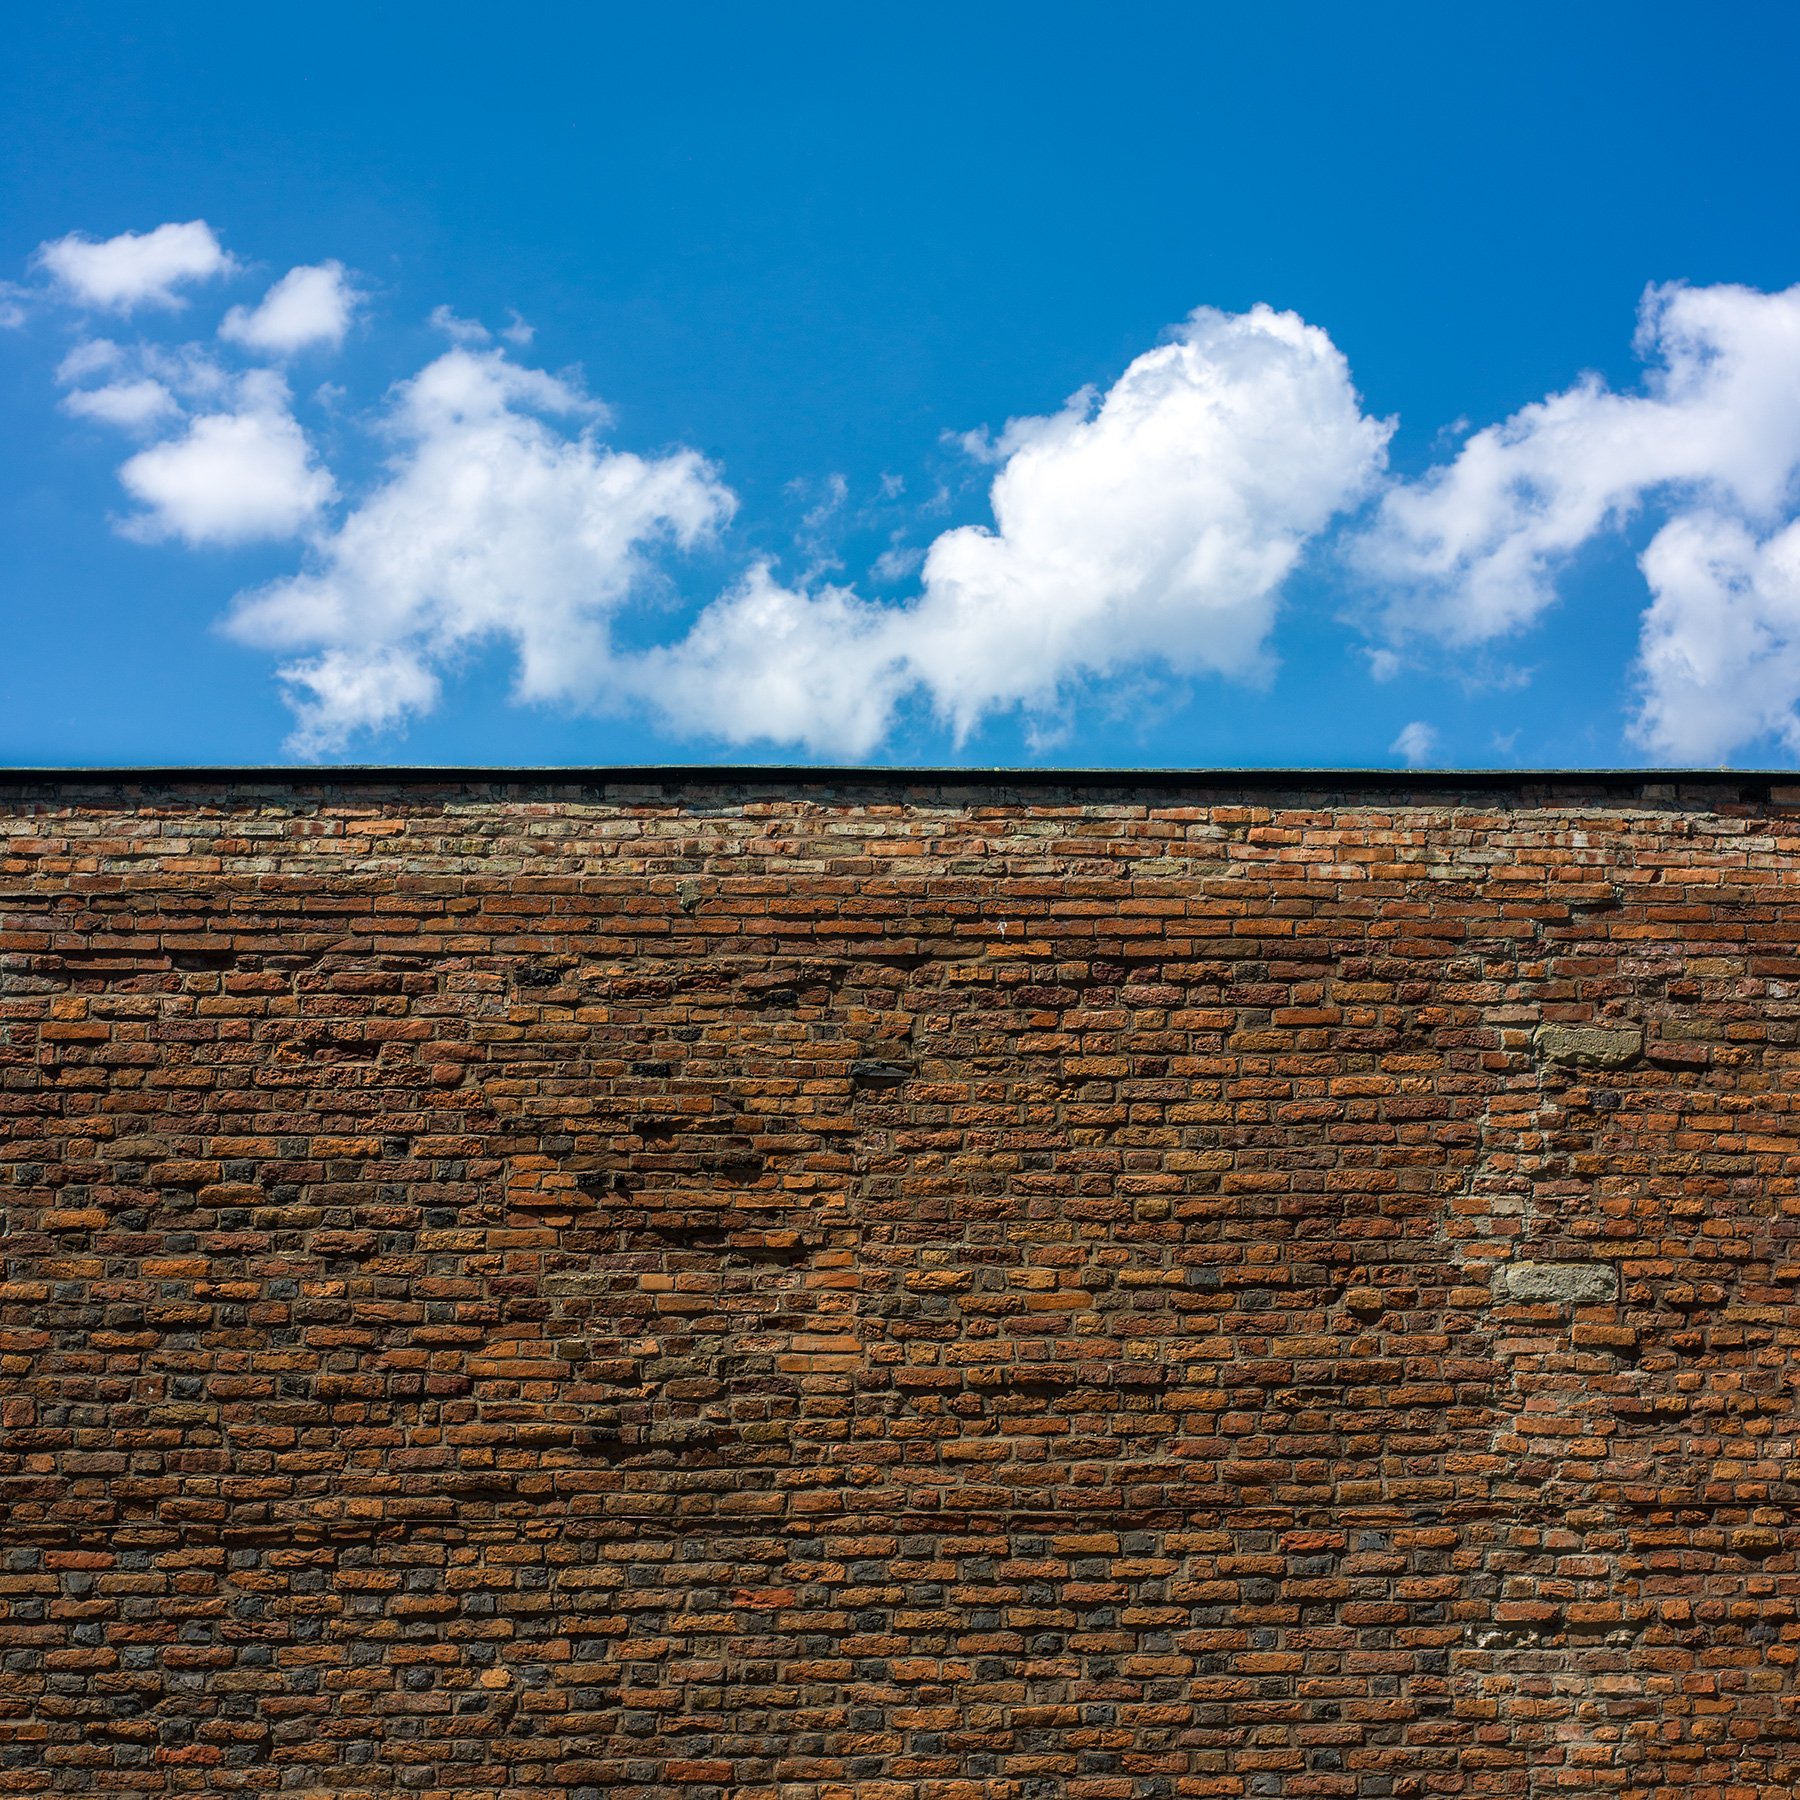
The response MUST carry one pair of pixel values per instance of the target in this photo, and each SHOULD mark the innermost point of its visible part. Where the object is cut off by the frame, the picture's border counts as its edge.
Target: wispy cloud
(898, 561)
(458, 330)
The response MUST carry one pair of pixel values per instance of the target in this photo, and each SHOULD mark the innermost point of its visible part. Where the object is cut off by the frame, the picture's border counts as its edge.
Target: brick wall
(790, 1290)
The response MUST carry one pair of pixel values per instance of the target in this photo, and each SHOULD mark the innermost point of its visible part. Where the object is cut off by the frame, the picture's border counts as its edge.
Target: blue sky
(609, 384)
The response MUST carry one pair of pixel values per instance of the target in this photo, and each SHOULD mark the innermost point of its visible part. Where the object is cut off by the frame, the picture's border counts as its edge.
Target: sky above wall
(1147, 385)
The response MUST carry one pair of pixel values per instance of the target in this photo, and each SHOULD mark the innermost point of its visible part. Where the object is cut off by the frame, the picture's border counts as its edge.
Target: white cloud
(143, 386)
(130, 405)
(1161, 527)
(459, 331)
(1139, 532)
(1417, 742)
(91, 356)
(1471, 552)
(835, 491)
(1157, 523)
(1719, 654)
(518, 332)
(824, 669)
(231, 477)
(821, 525)
(135, 268)
(1154, 524)
(491, 524)
(372, 688)
(312, 304)
(187, 370)
(12, 305)
(897, 562)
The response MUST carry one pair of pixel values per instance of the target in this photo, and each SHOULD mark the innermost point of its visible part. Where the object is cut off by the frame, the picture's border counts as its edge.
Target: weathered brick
(644, 1287)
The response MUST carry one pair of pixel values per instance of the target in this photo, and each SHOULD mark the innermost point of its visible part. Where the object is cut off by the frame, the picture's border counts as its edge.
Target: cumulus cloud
(491, 524)
(233, 476)
(1472, 551)
(1161, 526)
(1150, 527)
(824, 669)
(135, 268)
(233, 464)
(1154, 523)
(309, 305)
(1417, 742)
(1720, 647)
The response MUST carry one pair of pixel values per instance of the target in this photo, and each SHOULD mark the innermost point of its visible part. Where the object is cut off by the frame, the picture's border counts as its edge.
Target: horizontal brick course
(921, 1287)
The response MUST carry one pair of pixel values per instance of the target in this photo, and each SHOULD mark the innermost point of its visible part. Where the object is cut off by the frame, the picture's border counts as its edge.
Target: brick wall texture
(794, 1290)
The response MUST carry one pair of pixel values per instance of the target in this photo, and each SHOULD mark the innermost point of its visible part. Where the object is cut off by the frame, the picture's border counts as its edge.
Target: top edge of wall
(1739, 786)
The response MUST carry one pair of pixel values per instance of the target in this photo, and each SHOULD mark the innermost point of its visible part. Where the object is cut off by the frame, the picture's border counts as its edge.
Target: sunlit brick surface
(871, 1288)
